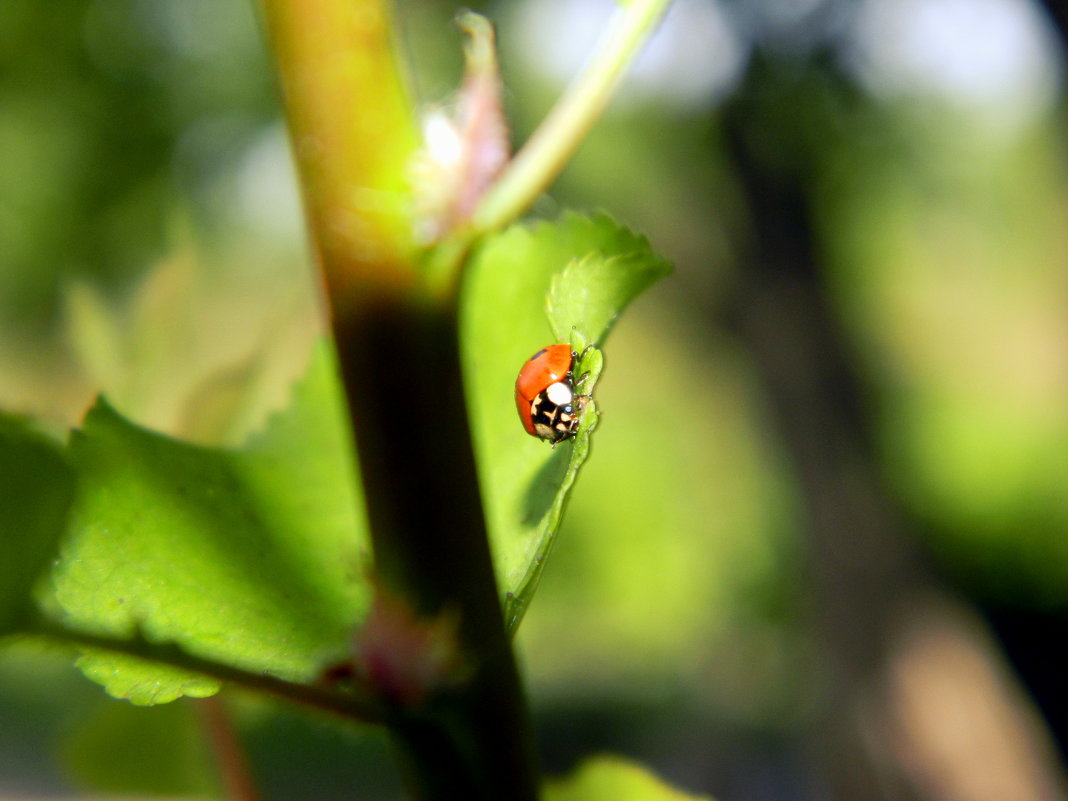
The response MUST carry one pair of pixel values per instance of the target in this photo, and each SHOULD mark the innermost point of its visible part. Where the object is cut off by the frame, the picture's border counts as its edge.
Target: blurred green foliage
(36, 488)
(111, 108)
(951, 278)
(142, 185)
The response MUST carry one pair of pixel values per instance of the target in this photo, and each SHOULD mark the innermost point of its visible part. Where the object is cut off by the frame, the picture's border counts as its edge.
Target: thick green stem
(557, 138)
(353, 134)
(398, 348)
(402, 370)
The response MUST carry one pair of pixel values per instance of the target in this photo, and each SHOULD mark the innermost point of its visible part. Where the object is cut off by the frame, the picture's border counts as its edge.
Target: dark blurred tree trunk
(918, 702)
(1058, 14)
(1031, 636)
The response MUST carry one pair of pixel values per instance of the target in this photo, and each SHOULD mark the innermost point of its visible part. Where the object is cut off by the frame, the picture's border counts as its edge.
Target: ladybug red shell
(545, 394)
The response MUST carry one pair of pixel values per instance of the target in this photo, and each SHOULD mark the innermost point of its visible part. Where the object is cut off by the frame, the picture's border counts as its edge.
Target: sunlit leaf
(253, 558)
(591, 291)
(530, 286)
(613, 779)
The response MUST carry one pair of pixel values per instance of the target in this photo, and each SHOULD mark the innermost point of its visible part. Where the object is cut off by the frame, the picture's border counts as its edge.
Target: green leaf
(529, 286)
(590, 292)
(36, 488)
(612, 779)
(253, 558)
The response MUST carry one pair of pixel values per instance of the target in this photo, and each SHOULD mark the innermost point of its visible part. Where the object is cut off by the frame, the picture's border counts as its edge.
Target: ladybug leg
(578, 357)
(570, 436)
(578, 384)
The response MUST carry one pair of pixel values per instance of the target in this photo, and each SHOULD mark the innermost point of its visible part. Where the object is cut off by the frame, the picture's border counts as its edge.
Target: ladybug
(545, 394)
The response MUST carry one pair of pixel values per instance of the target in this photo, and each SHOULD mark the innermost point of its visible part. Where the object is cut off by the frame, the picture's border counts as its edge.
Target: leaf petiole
(549, 148)
(352, 703)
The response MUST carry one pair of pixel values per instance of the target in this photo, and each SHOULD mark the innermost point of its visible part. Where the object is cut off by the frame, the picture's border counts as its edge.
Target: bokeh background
(821, 549)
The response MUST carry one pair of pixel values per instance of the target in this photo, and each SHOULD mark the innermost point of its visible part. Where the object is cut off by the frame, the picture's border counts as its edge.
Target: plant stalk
(355, 703)
(398, 350)
(555, 141)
